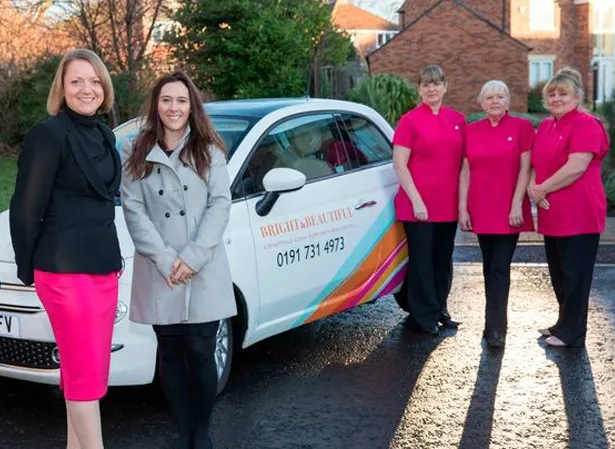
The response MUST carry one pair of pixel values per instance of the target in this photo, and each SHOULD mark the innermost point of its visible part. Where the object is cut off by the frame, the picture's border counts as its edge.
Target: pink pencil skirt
(81, 309)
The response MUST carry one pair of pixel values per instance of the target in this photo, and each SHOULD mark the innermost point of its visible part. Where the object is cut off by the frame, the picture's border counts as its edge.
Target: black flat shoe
(496, 340)
(447, 321)
(415, 328)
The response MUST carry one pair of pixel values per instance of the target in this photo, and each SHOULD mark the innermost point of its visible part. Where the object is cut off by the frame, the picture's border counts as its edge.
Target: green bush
(610, 189)
(534, 100)
(535, 119)
(8, 171)
(129, 100)
(24, 103)
(390, 95)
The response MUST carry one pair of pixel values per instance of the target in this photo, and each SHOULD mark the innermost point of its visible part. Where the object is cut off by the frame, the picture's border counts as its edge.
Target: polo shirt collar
(568, 116)
(426, 108)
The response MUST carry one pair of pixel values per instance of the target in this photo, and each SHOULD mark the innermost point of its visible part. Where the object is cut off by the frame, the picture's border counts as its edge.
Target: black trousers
(571, 267)
(188, 373)
(498, 251)
(430, 270)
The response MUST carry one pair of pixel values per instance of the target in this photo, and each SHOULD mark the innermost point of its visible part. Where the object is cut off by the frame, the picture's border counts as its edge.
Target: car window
(367, 140)
(311, 144)
(232, 130)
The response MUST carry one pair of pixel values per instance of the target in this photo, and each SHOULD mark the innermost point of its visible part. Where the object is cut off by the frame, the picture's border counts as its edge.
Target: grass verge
(8, 169)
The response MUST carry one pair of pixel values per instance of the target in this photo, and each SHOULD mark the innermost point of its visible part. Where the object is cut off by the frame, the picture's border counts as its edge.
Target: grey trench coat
(174, 213)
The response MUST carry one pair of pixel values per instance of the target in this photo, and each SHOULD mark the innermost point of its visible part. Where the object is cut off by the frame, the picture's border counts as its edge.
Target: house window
(541, 69)
(383, 38)
(542, 15)
(161, 31)
(604, 30)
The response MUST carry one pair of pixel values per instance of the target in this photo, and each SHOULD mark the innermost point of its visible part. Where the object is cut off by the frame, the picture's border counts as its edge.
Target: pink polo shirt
(494, 155)
(579, 208)
(436, 141)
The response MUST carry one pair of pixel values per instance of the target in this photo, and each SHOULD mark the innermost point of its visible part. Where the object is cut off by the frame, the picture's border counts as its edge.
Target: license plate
(9, 326)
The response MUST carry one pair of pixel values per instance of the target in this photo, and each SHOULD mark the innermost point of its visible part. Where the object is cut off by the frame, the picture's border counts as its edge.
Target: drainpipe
(504, 15)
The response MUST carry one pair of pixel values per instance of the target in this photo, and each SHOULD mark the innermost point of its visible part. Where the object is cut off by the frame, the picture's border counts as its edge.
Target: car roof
(256, 108)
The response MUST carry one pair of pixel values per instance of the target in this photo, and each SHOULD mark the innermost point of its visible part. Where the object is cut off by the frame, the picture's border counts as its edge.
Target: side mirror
(283, 180)
(277, 181)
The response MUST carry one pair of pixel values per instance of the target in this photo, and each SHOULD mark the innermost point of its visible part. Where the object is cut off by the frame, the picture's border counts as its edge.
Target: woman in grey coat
(176, 201)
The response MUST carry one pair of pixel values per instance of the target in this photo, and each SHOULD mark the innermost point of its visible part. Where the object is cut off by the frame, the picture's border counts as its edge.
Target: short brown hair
(432, 74)
(55, 100)
(568, 79)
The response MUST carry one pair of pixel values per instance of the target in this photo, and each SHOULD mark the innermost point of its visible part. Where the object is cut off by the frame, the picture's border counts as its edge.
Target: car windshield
(232, 130)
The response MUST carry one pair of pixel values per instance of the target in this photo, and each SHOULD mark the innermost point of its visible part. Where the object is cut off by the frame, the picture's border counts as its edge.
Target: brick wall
(584, 46)
(570, 42)
(470, 51)
(490, 9)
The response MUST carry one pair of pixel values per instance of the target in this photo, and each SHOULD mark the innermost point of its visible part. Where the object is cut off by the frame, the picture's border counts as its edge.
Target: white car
(312, 232)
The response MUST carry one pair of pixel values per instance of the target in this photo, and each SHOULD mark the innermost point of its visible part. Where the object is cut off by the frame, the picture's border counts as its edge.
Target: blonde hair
(431, 74)
(567, 79)
(55, 100)
(494, 86)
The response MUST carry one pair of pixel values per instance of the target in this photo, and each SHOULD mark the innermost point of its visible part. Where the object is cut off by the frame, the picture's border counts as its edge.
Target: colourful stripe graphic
(376, 275)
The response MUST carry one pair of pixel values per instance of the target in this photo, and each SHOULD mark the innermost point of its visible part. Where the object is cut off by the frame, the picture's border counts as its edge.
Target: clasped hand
(538, 195)
(180, 273)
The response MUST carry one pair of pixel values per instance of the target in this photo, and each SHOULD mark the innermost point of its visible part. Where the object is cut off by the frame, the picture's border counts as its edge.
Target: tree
(27, 39)
(120, 31)
(26, 34)
(258, 48)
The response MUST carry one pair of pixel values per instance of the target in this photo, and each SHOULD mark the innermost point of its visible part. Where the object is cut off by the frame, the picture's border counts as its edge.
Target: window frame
(371, 164)
(540, 60)
(336, 114)
(386, 37)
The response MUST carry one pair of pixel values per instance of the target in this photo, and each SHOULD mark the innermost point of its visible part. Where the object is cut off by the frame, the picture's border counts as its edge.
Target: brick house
(522, 42)
(367, 31)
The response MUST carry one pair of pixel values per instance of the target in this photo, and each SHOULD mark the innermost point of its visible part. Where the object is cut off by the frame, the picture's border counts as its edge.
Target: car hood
(7, 255)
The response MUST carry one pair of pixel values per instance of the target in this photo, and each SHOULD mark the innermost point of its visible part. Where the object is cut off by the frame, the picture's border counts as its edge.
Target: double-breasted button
(168, 214)
(160, 192)
(158, 170)
(182, 213)
(185, 188)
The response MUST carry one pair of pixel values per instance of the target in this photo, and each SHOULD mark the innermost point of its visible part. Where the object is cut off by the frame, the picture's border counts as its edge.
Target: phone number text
(312, 251)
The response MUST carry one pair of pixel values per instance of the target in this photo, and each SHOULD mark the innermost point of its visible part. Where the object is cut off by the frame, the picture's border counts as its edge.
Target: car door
(376, 175)
(312, 257)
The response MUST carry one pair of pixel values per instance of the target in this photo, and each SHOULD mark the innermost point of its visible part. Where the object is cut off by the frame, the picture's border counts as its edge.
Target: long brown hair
(197, 150)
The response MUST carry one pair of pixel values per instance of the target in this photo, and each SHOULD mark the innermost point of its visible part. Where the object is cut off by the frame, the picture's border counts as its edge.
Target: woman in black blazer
(62, 227)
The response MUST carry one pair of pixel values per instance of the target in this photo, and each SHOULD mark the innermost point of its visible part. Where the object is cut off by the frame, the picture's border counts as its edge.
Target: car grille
(27, 353)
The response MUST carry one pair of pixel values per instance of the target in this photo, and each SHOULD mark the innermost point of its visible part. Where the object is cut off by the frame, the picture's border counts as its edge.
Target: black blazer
(62, 213)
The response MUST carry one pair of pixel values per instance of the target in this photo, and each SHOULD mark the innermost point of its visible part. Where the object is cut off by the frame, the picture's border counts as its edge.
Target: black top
(62, 212)
(92, 140)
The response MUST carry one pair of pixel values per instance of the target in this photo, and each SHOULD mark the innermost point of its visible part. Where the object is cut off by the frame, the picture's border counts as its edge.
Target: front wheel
(224, 352)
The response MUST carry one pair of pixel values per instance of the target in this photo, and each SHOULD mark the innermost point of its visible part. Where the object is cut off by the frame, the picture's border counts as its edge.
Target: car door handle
(364, 204)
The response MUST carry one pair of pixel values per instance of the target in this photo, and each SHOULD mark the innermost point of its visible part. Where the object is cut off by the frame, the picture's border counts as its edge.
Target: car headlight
(120, 312)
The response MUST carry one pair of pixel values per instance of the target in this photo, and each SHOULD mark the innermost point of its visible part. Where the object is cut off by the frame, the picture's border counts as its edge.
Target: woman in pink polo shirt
(492, 197)
(567, 185)
(428, 145)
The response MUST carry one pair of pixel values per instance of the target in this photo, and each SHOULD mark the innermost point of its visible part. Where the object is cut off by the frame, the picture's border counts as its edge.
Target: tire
(224, 352)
